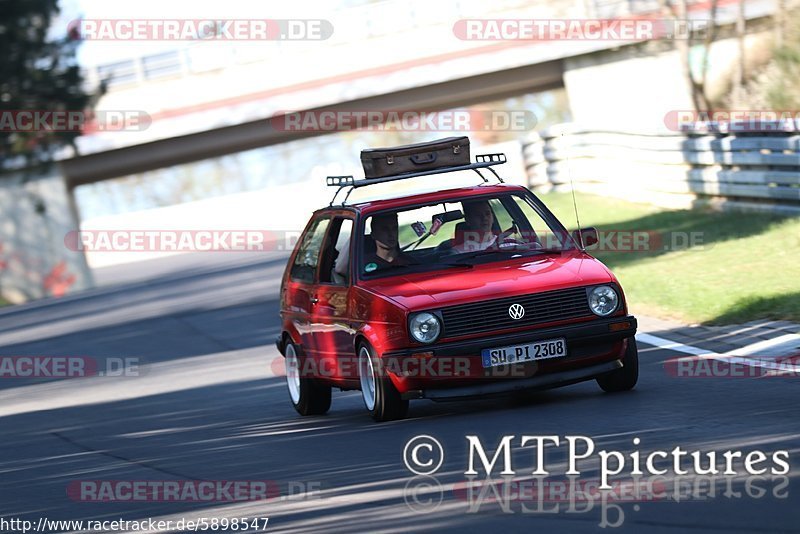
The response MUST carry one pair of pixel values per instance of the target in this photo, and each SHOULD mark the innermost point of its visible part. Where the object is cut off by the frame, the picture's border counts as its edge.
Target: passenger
(478, 232)
(384, 233)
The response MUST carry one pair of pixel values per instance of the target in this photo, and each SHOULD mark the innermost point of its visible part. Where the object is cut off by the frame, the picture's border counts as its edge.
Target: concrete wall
(636, 86)
(626, 88)
(35, 216)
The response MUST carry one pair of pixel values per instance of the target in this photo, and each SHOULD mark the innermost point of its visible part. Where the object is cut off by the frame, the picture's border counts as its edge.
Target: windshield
(456, 234)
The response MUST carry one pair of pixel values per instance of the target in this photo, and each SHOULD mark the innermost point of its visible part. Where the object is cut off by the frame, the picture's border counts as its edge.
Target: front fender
(383, 336)
(382, 322)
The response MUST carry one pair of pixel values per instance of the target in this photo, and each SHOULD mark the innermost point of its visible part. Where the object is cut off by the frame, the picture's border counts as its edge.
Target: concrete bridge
(224, 105)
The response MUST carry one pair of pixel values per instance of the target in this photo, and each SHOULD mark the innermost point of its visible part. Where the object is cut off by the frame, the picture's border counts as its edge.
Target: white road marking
(769, 351)
(664, 343)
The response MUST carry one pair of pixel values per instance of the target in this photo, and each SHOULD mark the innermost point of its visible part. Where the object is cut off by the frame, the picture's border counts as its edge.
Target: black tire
(623, 379)
(308, 395)
(387, 404)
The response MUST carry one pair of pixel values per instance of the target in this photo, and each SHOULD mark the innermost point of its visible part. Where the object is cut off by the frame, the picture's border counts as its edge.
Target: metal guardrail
(748, 170)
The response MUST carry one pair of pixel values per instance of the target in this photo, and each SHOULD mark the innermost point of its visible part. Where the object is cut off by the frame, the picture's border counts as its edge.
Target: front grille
(489, 315)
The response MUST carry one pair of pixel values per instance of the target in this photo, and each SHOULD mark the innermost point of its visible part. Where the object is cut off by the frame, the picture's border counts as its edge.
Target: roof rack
(482, 161)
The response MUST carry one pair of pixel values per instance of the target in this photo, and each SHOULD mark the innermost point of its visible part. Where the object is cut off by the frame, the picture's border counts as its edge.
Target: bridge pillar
(36, 213)
(627, 88)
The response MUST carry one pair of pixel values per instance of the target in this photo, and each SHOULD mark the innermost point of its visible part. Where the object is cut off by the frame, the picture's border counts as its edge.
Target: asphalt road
(206, 405)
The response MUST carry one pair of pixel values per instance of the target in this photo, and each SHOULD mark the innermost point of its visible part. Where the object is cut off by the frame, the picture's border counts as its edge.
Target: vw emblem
(516, 311)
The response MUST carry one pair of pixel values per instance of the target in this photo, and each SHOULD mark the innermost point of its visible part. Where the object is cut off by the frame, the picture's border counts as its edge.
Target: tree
(36, 74)
(783, 87)
(678, 11)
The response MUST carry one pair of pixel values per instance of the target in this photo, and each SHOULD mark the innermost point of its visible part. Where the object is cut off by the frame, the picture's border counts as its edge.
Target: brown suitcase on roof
(448, 152)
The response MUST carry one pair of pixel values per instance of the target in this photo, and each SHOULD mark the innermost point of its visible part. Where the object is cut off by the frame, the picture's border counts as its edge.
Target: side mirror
(586, 235)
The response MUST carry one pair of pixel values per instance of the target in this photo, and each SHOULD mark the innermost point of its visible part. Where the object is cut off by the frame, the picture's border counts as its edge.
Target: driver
(384, 232)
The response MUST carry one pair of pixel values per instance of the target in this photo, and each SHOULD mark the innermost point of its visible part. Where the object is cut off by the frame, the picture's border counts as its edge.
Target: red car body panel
(419, 291)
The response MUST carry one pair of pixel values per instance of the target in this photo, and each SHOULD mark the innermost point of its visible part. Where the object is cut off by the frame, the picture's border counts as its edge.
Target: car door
(332, 329)
(300, 287)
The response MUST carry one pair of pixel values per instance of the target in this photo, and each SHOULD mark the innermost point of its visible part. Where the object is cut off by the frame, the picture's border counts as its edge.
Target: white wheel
(292, 374)
(366, 373)
(309, 396)
(381, 398)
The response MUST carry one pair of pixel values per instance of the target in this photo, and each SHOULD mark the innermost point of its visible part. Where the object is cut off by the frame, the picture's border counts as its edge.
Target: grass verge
(742, 266)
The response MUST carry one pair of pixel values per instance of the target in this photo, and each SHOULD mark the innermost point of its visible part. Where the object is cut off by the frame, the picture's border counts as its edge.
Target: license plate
(541, 350)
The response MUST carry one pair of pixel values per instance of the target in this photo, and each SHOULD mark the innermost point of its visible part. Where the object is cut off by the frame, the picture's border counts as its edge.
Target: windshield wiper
(547, 250)
(427, 265)
(489, 252)
(389, 268)
(450, 264)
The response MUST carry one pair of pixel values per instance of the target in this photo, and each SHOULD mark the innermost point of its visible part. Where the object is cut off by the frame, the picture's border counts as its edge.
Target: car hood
(491, 280)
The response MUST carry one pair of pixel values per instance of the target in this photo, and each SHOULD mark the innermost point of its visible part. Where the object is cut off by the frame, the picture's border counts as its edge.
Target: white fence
(755, 171)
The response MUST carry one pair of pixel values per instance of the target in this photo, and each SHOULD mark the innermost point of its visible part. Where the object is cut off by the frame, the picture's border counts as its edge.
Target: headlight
(603, 300)
(424, 327)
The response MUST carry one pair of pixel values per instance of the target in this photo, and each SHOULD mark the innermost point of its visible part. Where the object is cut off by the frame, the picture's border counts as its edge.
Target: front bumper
(593, 348)
(550, 380)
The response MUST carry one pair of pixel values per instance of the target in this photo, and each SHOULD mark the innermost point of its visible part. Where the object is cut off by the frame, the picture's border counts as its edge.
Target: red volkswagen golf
(461, 293)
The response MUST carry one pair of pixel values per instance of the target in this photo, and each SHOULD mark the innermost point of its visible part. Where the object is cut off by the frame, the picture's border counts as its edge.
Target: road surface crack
(122, 458)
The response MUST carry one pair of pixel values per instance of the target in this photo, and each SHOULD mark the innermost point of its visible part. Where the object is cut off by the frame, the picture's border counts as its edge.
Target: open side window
(335, 262)
(305, 263)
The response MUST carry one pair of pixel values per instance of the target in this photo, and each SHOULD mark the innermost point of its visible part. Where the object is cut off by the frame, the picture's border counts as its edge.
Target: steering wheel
(445, 246)
(511, 242)
(508, 242)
